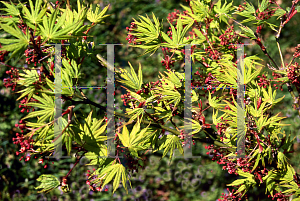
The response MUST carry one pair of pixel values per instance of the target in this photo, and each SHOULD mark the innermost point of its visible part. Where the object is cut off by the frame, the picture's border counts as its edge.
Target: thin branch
(207, 131)
(77, 160)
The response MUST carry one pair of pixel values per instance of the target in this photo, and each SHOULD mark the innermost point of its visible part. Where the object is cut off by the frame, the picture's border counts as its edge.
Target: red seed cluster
(297, 52)
(10, 82)
(263, 81)
(22, 26)
(31, 55)
(126, 98)
(229, 38)
(213, 53)
(293, 73)
(241, 8)
(275, 77)
(221, 129)
(173, 16)
(21, 125)
(280, 196)
(25, 145)
(3, 54)
(231, 196)
(131, 38)
(26, 107)
(266, 14)
(93, 181)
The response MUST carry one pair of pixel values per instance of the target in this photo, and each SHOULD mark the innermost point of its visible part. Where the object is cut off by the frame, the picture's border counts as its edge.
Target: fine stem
(77, 160)
(283, 66)
(280, 53)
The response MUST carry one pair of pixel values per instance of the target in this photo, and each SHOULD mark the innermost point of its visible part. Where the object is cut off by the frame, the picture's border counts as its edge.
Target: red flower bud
(258, 102)
(141, 104)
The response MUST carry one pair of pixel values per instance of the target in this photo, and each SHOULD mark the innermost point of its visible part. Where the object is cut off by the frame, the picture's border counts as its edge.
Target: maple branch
(209, 132)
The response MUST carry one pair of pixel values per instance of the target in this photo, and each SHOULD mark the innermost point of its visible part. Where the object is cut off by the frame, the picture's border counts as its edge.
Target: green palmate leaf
(237, 182)
(135, 113)
(248, 32)
(282, 161)
(93, 137)
(288, 178)
(81, 11)
(269, 97)
(213, 102)
(169, 144)
(116, 172)
(182, 31)
(196, 127)
(29, 77)
(178, 35)
(249, 76)
(96, 159)
(168, 92)
(170, 96)
(248, 13)
(254, 92)
(67, 135)
(215, 117)
(148, 33)
(9, 20)
(273, 121)
(14, 45)
(69, 73)
(247, 183)
(270, 181)
(279, 12)
(52, 31)
(288, 143)
(76, 17)
(170, 43)
(200, 39)
(263, 5)
(256, 153)
(45, 147)
(146, 27)
(131, 79)
(200, 10)
(124, 137)
(10, 9)
(257, 112)
(223, 11)
(261, 122)
(72, 69)
(137, 139)
(44, 132)
(49, 183)
(27, 91)
(229, 76)
(174, 78)
(46, 103)
(136, 96)
(8, 41)
(98, 15)
(36, 13)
